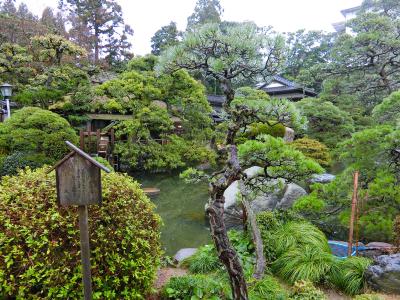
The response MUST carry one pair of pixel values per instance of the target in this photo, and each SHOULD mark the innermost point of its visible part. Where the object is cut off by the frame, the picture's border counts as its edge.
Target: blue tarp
(339, 249)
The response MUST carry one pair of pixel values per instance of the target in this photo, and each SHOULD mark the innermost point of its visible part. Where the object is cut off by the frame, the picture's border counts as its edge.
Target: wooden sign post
(78, 180)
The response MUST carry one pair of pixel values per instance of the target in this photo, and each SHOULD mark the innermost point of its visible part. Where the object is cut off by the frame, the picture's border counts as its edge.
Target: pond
(181, 206)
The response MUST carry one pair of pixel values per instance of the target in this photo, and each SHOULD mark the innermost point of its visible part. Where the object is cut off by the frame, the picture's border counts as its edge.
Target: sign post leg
(85, 252)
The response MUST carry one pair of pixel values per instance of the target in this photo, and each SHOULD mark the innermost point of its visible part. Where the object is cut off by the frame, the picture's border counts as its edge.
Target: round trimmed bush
(40, 248)
(36, 130)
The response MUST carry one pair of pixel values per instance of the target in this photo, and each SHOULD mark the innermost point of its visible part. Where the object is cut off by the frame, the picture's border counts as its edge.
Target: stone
(184, 253)
(375, 249)
(322, 178)
(160, 104)
(282, 196)
(292, 193)
(289, 135)
(384, 274)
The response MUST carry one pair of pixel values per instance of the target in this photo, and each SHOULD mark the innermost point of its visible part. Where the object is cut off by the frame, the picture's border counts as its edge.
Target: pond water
(181, 206)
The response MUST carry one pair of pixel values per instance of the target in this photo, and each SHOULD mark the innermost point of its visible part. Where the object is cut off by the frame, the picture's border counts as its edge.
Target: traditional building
(280, 87)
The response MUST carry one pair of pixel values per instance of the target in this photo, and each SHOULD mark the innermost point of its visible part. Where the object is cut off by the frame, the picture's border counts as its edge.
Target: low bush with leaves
(193, 287)
(304, 290)
(11, 164)
(40, 248)
(268, 288)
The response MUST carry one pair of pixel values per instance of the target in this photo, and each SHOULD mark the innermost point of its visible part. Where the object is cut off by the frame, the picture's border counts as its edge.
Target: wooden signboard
(78, 181)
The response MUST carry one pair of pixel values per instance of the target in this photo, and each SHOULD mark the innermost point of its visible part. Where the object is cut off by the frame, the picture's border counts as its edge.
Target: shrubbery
(313, 149)
(39, 241)
(38, 131)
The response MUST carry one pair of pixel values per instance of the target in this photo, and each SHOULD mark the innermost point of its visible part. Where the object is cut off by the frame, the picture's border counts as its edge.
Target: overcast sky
(147, 16)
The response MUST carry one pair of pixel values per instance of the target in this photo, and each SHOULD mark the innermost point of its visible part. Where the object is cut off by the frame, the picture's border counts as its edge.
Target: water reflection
(181, 207)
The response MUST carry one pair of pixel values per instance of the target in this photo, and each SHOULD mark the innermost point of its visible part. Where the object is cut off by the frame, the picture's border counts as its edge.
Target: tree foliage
(326, 122)
(165, 37)
(205, 11)
(388, 112)
(314, 150)
(368, 60)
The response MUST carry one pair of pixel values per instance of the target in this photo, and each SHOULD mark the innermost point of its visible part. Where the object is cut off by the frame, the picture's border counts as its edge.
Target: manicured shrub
(268, 288)
(349, 274)
(304, 290)
(193, 287)
(256, 129)
(303, 263)
(39, 241)
(313, 149)
(35, 130)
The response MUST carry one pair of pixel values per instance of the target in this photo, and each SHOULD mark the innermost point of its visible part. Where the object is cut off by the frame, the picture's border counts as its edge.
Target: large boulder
(281, 196)
(384, 274)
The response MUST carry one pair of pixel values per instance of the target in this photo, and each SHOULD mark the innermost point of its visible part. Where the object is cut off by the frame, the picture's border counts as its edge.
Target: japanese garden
(234, 161)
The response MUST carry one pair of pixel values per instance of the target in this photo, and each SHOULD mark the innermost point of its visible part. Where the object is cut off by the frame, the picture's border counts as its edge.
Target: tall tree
(55, 23)
(369, 59)
(101, 19)
(205, 11)
(24, 13)
(165, 37)
(8, 7)
(233, 53)
(305, 52)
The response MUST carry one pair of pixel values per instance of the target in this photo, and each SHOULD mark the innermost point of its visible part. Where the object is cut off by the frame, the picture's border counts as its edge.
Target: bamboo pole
(353, 212)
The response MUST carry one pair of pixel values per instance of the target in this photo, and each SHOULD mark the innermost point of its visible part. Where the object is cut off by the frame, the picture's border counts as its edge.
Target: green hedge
(39, 241)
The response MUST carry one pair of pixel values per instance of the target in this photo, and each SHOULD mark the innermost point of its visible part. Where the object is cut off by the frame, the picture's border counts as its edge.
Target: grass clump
(304, 263)
(205, 260)
(349, 274)
(299, 235)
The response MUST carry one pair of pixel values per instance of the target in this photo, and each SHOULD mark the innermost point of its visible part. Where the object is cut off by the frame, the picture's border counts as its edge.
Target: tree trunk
(215, 212)
(257, 240)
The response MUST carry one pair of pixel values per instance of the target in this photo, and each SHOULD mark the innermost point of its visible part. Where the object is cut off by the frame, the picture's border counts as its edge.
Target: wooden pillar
(353, 212)
(98, 136)
(85, 252)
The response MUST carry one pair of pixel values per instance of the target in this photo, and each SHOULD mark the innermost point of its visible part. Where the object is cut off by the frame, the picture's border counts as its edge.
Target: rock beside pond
(282, 196)
(184, 253)
(384, 274)
(375, 249)
(322, 178)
